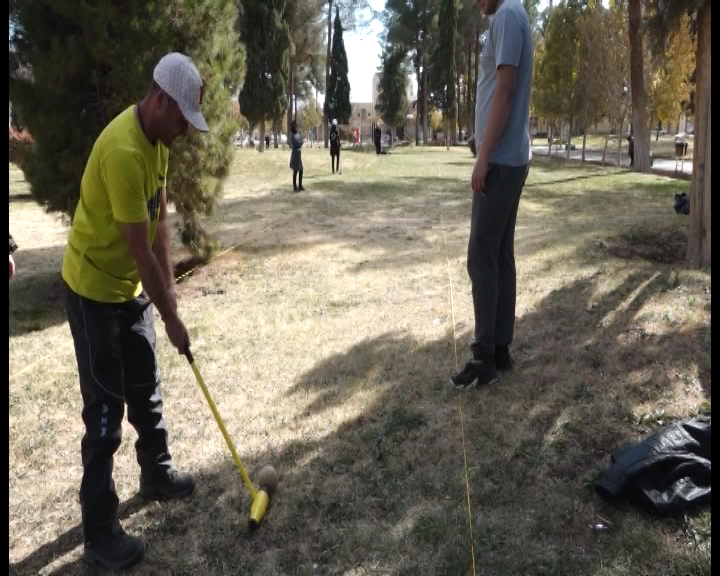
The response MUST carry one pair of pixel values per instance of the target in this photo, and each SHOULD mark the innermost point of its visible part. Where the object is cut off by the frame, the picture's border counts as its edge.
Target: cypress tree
(337, 102)
(392, 100)
(86, 63)
(267, 41)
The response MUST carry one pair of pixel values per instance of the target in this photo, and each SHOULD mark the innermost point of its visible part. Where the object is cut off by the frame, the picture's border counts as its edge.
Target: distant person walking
(631, 149)
(296, 164)
(334, 147)
(378, 138)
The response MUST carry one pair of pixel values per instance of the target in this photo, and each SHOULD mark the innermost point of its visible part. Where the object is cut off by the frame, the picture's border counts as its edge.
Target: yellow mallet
(267, 479)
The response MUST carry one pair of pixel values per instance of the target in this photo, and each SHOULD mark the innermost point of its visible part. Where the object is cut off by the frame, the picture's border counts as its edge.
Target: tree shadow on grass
(385, 489)
(37, 291)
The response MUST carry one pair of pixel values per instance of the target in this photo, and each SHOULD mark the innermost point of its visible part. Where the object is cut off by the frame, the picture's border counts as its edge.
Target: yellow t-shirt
(123, 182)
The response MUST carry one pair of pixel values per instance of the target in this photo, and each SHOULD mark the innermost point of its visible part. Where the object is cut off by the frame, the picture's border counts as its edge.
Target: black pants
(333, 157)
(377, 146)
(295, 173)
(491, 257)
(115, 352)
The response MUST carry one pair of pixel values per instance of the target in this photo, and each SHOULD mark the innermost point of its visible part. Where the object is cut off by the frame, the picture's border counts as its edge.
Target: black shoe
(476, 373)
(121, 552)
(301, 188)
(167, 485)
(503, 360)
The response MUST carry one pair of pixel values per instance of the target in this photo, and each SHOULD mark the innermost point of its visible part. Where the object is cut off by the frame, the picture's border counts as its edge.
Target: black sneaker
(476, 373)
(121, 552)
(503, 360)
(167, 486)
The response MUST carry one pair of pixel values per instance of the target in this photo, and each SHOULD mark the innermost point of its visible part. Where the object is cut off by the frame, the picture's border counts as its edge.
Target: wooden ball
(268, 479)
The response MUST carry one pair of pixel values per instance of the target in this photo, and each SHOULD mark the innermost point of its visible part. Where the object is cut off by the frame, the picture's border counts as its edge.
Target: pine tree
(267, 41)
(337, 102)
(443, 66)
(86, 63)
(207, 32)
(307, 60)
(392, 100)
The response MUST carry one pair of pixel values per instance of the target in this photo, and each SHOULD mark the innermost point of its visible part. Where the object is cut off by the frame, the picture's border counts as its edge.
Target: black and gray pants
(115, 352)
(491, 257)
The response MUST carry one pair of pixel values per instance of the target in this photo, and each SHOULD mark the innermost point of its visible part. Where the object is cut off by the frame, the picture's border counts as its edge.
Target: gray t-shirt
(507, 42)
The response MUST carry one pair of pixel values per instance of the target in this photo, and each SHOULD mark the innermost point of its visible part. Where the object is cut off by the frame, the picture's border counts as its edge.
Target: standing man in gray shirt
(503, 144)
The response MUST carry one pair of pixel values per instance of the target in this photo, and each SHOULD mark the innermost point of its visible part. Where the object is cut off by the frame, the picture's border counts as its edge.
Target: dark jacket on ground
(666, 474)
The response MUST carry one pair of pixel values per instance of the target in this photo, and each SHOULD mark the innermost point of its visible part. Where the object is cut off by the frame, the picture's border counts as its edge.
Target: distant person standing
(334, 147)
(502, 110)
(296, 164)
(631, 149)
(377, 137)
(267, 141)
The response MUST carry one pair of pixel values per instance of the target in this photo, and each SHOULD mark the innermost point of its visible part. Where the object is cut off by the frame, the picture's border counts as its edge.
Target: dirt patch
(666, 247)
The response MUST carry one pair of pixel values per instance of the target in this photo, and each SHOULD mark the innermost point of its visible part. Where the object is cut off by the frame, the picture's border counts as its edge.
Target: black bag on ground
(666, 474)
(682, 203)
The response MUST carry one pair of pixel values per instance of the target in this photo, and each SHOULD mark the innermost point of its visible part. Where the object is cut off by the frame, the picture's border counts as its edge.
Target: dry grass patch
(326, 338)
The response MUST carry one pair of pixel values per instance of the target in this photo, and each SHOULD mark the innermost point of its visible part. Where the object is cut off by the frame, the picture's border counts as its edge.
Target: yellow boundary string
(462, 428)
(178, 279)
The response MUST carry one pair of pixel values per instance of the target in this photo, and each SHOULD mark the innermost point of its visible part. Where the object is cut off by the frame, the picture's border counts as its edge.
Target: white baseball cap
(180, 79)
(334, 122)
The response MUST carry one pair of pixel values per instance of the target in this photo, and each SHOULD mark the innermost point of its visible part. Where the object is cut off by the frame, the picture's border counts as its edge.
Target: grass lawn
(326, 337)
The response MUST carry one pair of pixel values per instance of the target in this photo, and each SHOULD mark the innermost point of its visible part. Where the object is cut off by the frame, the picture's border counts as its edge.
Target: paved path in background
(661, 165)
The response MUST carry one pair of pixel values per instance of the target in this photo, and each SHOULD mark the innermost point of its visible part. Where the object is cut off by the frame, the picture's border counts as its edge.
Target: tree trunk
(426, 122)
(641, 137)
(327, 69)
(448, 136)
(550, 137)
(392, 137)
(584, 135)
(569, 140)
(276, 129)
(607, 140)
(620, 139)
(476, 62)
(468, 91)
(290, 101)
(699, 234)
(418, 50)
(261, 146)
(457, 125)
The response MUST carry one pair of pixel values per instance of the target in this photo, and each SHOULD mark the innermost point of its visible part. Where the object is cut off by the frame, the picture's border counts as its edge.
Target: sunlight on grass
(325, 337)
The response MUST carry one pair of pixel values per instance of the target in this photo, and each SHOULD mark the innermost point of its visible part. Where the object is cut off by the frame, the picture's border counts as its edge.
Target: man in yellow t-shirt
(116, 267)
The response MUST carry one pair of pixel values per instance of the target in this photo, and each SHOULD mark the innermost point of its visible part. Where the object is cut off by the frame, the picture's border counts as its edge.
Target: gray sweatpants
(491, 257)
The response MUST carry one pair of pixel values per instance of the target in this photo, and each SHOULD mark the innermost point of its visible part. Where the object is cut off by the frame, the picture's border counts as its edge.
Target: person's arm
(149, 267)
(162, 244)
(124, 176)
(499, 109)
